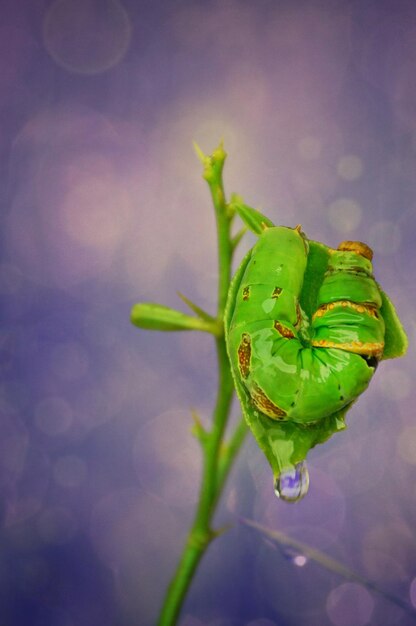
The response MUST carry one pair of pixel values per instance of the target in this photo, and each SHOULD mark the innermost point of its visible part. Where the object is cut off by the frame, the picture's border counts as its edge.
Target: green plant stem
(217, 456)
(230, 452)
(212, 484)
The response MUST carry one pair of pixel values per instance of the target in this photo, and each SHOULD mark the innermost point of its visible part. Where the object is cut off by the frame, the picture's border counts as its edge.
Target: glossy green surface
(294, 393)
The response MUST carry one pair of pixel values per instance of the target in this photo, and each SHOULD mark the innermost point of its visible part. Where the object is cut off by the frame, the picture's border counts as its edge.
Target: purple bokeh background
(104, 205)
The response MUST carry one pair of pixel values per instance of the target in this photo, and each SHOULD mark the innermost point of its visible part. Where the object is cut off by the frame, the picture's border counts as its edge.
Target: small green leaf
(198, 429)
(159, 317)
(253, 219)
(395, 339)
(195, 308)
(238, 237)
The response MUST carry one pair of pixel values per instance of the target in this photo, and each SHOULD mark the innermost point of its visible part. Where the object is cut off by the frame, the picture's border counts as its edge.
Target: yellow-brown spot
(358, 247)
(365, 348)
(284, 331)
(276, 292)
(246, 293)
(244, 355)
(265, 405)
(370, 309)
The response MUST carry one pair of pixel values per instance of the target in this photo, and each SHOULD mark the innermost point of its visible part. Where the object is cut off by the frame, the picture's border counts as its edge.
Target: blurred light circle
(69, 361)
(412, 592)
(385, 237)
(350, 604)
(382, 566)
(27, 496)
(69, 471)
(404, 262)
(56, 525)
(406, 444)
(344, 215)
(300, 560)
(389, 552)
(86, 37)
(167, 458)
(350, 167)
(53, 415)
(72, 202)
(73, 234)
(113, 386)
(309, 148)
(120, 517)
(96, 212)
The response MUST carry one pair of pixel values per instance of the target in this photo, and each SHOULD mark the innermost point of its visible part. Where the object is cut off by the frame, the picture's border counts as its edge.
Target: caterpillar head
(358, 247)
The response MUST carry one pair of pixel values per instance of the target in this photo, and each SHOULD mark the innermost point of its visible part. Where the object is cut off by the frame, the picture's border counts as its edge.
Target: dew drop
(294, 556)
(293, 484)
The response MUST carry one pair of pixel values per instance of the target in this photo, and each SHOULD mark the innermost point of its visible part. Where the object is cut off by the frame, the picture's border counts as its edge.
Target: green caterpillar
(306, 326)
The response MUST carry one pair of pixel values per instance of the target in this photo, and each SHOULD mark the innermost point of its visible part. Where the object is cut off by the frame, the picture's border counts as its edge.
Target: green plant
(218, 453)
(306, 273)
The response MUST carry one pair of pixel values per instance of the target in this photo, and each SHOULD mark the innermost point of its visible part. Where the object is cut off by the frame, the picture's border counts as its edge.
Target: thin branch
(328, 563)
(230, 451)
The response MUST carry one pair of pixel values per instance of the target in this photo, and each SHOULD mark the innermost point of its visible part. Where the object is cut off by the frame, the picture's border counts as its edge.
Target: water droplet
(293, 555)
(300, 560)
(293, 484)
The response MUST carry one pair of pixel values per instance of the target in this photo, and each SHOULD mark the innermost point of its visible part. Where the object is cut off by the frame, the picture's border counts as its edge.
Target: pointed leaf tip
(201, 156)
(253, 219)
(219, 153)
(195, 308)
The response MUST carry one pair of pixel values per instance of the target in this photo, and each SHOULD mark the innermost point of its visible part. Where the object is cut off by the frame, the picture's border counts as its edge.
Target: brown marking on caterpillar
(370, 309)
(283, 330)
(265, 405)
(365, 348)
(244, 355)
(276, 292)
(246, 293)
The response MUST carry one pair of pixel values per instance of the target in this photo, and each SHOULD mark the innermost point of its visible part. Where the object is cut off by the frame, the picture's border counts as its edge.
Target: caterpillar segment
(292, 368)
